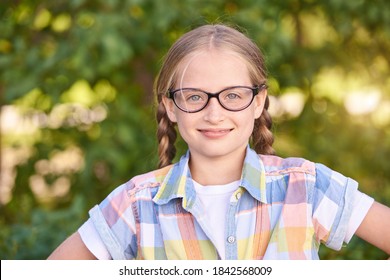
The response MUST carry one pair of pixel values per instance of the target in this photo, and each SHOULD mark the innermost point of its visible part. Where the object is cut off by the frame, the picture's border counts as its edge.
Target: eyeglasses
(192, 100)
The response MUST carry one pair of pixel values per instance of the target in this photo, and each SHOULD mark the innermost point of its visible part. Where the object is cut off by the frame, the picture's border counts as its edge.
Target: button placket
(231, 239)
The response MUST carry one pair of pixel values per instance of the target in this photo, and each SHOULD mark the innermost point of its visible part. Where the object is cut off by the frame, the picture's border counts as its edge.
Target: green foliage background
(80, 73)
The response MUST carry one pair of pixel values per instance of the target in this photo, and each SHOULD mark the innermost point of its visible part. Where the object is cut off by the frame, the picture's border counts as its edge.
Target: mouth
(215, 133)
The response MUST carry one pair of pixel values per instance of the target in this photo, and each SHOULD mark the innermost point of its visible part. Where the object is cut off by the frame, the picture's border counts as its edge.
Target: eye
(233, 96)
(194, 98)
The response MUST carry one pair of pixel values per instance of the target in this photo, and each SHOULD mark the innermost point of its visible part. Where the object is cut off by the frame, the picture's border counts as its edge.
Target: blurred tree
(76, 89)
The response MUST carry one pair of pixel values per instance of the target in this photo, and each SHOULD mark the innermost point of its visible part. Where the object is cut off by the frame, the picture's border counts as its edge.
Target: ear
(259, 101)
(170, 108)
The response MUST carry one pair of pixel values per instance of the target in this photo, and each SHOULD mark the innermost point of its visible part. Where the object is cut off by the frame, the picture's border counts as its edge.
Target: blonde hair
(204, 38)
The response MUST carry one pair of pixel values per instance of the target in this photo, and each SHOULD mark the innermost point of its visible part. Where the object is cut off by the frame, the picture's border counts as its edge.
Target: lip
(215, 133)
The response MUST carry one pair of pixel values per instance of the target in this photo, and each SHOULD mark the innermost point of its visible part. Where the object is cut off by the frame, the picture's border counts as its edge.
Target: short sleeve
(92, 240)
(333, 199)
(114, 221)
(362, 203)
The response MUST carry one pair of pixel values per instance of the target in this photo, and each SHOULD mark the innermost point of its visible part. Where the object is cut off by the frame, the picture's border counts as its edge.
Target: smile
(215, 133)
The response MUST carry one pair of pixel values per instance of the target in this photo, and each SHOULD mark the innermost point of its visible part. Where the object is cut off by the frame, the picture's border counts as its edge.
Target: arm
(73, 248)
(375, 227)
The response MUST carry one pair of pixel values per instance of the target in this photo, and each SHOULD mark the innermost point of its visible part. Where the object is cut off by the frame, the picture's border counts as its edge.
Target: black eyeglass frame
(255, 90)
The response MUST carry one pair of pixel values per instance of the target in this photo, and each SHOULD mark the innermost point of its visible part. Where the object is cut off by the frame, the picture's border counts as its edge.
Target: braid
(166, 136)
(262, 136)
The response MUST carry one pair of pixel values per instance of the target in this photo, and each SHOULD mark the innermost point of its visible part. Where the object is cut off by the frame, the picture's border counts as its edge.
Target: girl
(223, 200)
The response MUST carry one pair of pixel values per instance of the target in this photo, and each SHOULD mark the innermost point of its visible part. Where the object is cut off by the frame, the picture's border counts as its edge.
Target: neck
(216, 171)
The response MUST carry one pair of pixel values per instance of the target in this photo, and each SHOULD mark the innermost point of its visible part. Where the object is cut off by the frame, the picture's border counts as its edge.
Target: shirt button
(231, 239)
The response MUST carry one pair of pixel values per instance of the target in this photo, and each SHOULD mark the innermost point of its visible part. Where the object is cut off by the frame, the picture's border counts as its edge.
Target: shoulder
(142, 186)
(275, 165)
(147, 181)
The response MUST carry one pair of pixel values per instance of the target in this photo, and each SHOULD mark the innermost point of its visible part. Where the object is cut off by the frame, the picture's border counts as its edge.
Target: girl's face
(215, 132)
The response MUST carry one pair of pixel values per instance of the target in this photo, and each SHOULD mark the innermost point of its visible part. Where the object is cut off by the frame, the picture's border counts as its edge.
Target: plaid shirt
(283, 209)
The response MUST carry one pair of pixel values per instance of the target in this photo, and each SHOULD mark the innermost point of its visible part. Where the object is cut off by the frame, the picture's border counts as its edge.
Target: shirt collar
(178, 182)
(253, 176)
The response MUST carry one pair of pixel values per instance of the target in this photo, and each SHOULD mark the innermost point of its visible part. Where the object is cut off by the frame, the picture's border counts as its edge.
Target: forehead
(212, 70)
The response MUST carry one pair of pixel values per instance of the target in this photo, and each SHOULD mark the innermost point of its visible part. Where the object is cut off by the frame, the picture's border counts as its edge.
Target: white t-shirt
(216, 199)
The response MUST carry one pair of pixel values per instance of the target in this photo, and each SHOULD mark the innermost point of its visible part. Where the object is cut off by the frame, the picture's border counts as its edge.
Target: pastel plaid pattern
(283, 209)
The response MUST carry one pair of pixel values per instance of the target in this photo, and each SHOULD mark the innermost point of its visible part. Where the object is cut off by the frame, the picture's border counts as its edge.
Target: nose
(214, 112)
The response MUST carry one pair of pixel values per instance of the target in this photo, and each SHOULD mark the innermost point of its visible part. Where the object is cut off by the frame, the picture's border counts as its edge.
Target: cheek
(184, 122)
(184, 130)
(246, 122)
(249, 125)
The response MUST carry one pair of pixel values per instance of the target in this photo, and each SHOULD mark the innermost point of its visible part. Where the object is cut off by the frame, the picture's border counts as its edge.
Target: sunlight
(61, 23)
(381, 116)
(362, 102)
(289, 104)
(59, 166)
(42, 19)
